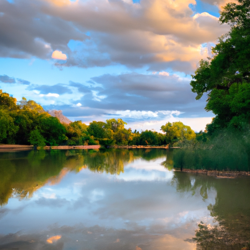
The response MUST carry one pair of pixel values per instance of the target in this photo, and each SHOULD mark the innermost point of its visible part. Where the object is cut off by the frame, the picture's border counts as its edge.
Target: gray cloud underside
(46, 89)
(110, 93)
(120, 33)
(27, 30)
(8, 79)
(141, 92)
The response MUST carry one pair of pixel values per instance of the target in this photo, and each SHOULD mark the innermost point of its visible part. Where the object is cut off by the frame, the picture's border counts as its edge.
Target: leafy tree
(77, 133)
(36, 138)
(226, 76)
(115, 125)
(148, 138)
(7, 102)
(98, 130)
(7, 127)
(30, 106)
(52, 130)
(177, 131)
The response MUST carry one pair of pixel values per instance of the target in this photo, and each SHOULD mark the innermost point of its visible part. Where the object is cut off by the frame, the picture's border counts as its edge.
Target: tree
(77, 133)
(36, 139)
(177, 131)
(7, 101)
(99, 131)
(226, 76)
(8, 129)
(148, 138)
(52, 130)
(115, 125)
(30, 106)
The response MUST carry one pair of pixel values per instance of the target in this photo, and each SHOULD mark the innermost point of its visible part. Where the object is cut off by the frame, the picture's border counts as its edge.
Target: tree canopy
(177, 131)
(226, 76)
(26, 122)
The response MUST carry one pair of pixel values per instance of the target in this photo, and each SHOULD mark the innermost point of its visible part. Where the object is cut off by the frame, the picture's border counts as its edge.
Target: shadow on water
(231, 210)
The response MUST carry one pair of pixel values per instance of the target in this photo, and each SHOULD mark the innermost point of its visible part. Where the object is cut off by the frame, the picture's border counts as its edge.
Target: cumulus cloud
(219, 3)
(136, 98)
(59, 55)
(157, 34)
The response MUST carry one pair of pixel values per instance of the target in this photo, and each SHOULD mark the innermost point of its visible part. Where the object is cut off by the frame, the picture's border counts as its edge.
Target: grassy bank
(226, 151)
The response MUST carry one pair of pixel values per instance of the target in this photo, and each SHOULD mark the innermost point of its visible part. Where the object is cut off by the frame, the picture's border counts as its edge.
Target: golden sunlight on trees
(177, 131)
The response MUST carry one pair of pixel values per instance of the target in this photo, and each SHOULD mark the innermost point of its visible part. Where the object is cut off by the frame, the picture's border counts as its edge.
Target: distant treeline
(26, 122)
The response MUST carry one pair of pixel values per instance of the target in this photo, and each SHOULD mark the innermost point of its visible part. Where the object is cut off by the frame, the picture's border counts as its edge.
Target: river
(117, 199)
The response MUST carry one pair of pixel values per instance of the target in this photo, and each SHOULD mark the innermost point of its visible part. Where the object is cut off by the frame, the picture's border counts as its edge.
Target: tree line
(26, 122)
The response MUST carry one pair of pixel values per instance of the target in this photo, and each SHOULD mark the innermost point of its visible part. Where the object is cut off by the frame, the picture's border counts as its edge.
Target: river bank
(140, 146)
(13, 148)
(218, 174)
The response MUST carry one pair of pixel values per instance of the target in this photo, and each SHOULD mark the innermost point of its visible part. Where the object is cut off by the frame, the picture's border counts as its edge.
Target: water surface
(116, 199)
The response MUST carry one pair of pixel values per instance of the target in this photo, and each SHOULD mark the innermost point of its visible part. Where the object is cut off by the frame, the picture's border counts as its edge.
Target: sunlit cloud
(61, 3)
(59, 55)
(164, 73)
(54, 239)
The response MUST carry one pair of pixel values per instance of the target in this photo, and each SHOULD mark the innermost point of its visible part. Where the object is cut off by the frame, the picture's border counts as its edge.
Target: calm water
(117, 199)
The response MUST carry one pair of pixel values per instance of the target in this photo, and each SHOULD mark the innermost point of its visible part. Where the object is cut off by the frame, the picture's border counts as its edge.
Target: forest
(27, 123)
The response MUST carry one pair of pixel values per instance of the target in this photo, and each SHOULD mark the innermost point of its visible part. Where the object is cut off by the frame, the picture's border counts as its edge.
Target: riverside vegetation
(225, 79)
(26, 122)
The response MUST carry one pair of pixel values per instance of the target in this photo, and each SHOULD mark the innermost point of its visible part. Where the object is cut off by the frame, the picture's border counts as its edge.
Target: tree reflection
(22, 173)
(231, 210)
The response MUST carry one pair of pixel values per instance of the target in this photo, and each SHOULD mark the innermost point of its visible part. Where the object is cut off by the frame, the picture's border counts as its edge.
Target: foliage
(7, 127)
(177, 131)
(227, 150)
(36, 138)
(148, 138)
(226, 76)
(26, 122)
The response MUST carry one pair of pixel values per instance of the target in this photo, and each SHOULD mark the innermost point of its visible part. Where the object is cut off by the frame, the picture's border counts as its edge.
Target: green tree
(148, 138)
(226, 76)
(8, 129)
(115, 125)
(77, 133)
(52, 130)
(7, 101)
(98, 130)
(177, 131)
(30, 106)
(36, 139)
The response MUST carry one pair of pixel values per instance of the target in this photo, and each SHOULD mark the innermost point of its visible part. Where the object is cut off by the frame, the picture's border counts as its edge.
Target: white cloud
(196, 124)
(146, 114)
(50, 95)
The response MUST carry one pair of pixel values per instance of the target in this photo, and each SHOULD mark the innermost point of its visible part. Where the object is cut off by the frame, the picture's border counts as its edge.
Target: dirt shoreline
(140, 146)
(215, 173)
(15, 148)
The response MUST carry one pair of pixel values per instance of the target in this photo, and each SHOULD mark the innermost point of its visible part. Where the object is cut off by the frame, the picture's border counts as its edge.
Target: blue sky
(100, 59)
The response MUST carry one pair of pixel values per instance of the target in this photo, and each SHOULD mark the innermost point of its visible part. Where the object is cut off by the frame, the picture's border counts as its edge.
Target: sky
(102, 59)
